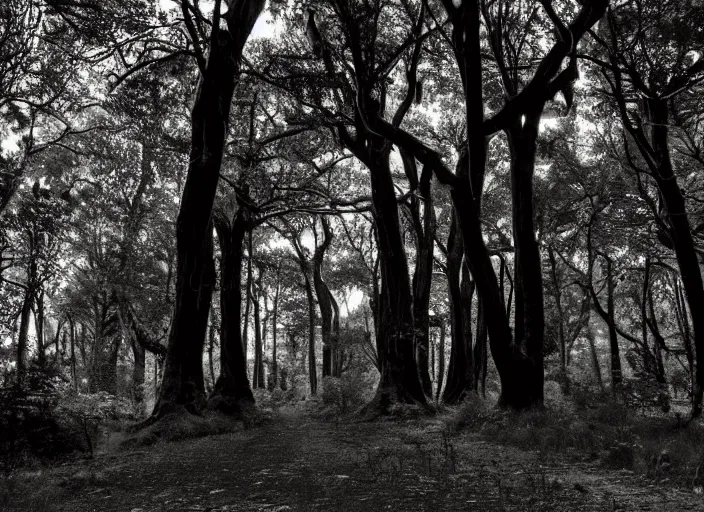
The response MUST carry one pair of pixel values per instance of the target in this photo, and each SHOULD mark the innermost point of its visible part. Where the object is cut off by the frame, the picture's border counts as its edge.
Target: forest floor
(296, 461)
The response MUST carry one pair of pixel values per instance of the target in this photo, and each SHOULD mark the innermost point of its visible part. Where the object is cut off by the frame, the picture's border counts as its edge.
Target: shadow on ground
(297, 462)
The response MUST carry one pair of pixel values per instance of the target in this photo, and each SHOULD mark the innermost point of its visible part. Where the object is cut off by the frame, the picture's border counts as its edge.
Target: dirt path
(300, 463)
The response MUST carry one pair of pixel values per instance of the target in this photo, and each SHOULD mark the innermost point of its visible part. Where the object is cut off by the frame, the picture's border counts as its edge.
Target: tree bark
(480, 351)
(424, 227)
(247, 294)
(39, 327)
(323, 294)
(399, 380)
(516, 371)
(528, 283)
(658, 343)
(432, 358)
(211, 349)
(441, 360)
(595, 356)
(616, 374)
(107, 339)
(520, 372)
(557, 296)
(182, 382)
(338, 353)
(681, 235)
(312, 363)
(138, 372)
(607, 314)
(274, 330)
(460, 374)
(232, 392)
(74, 375)
(23, 336)
(258, 376)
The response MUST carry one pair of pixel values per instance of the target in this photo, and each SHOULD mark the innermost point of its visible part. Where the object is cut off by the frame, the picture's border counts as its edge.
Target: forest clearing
(351, 255)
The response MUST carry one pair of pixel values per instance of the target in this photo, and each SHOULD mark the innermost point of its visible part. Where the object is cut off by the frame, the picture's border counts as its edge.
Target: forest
(368, 235)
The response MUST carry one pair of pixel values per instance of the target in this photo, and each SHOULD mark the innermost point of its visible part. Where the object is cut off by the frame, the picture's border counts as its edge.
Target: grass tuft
(594, 428)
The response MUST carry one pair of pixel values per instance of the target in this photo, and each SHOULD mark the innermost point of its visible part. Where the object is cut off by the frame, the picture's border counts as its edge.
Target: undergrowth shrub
(473, 413)
(332, 392)
(29, 429)
(181, 425)
(591, 426)
(45, 419)
(348, 392)
(85, 413)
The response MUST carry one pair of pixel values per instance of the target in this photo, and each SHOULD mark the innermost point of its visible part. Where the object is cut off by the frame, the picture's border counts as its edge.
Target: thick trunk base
(231, 406)
(388, 401)
(524, 387)
(177, 423)
(236, 401)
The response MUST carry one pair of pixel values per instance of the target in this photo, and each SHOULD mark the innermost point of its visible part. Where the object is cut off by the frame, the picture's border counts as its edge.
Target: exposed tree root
(178, 424)
(236, 407)
(387, 404)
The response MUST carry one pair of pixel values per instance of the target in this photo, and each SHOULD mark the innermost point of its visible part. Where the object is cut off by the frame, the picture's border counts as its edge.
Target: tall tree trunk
(39, 327)
(72, 338)
(59, 341)
(681, 235)
(312, 363)
(247, 294)
(23, 336)
(102, 372)
(608, 314)
(211, 348)
(658, 341)
(82, 345)
(423, 224)
(265, 324)
(595, 356)
(644, 314)
(399, 380)
(306, 271)
(616, 376)
(480, 351)
(513, 368)
(441, 360)
(683, 324)
(322, 292)
(182, 382)
(258, 377)
(337, 350)
(460, 375)
(432, 357)
(561, 342)
(530, 315)
(274, 329)
(138, 372)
